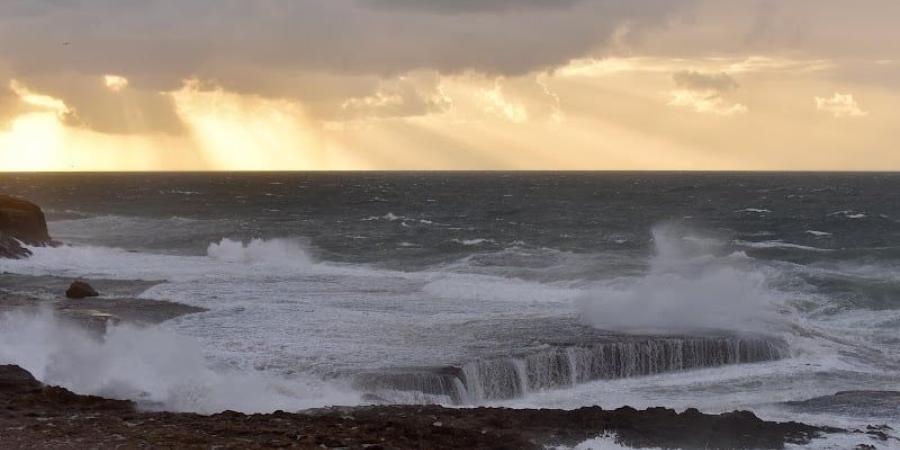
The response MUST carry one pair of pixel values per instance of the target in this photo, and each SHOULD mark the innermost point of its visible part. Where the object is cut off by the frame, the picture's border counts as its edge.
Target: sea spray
(692, 283)
(154, 366)
(224, 258)
(258, 251)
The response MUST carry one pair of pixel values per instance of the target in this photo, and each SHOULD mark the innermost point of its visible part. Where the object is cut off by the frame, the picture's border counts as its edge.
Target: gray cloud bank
(321, 52)
(326, 52)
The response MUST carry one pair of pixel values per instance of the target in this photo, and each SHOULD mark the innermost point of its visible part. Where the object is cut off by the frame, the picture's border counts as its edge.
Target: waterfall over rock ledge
(557, 367)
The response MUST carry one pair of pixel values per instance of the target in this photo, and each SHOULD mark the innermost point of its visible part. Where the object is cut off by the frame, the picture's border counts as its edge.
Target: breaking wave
(155, 367)
(693, 283)
(256, 251)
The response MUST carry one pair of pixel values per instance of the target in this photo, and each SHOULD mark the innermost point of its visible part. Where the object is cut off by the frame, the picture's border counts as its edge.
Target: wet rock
(30, 414)
(853, 403)
(81, 289)
(24, 221)
(11, 248)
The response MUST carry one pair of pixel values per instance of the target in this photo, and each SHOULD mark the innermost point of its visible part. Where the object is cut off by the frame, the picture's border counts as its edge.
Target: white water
(284, 252)
(279, 321)
(688, 287)
(154, 366)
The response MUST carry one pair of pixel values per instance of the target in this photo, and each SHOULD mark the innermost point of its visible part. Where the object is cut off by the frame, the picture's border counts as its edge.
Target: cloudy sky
(449, 84)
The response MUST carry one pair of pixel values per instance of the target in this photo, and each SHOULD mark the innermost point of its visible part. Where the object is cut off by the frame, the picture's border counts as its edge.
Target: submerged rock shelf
(558, 367)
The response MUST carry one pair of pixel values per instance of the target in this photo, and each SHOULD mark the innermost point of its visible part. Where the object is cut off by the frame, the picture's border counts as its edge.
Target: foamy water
(294, 318)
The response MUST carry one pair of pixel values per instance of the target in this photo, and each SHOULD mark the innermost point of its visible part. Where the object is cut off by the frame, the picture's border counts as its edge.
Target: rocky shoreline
(38, 416)
(33, 415)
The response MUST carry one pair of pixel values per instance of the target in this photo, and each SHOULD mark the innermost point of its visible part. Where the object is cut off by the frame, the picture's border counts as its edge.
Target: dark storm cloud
(323, 52)
(158, 43)
(96, 107)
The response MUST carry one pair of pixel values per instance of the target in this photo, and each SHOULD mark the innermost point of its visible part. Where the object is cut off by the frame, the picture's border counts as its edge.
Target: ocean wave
(848, 214)
(690, 285)
(782, 245)
(474, 242)
(87, 225)
(154, 366)
(258, 251)
(225, 258)
(133, 232)
(391, 217)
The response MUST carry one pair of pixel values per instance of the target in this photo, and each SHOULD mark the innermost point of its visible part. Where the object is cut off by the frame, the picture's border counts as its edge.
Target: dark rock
(24, 221)
(80, 289)
(853, 403)
(29, 412)
(11, 248)
(16, 379)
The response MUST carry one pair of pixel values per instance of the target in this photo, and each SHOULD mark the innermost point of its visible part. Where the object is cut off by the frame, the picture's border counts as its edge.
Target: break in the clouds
(336, 56)
(291, 48)
(447, 83)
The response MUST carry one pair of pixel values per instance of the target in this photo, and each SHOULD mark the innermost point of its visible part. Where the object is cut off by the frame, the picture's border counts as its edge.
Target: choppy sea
(719, 291)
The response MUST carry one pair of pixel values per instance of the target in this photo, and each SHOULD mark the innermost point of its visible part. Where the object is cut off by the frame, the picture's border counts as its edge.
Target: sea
(718, 291)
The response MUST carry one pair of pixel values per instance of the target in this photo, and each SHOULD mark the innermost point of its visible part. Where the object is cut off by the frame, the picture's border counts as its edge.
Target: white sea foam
(754, 210)
(850, 214)
(225, 259)
(274, 307)
(497, 289)
(258, 251)
(780, 244)
(817, 233)
(154, 366)
(688, 287)
(474, 242)
(390, 217)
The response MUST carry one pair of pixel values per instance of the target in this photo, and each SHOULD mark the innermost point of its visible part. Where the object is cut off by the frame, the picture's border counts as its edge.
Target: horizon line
(362, 171)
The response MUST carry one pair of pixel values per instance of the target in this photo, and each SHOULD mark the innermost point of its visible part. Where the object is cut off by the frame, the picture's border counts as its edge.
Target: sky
(94, 85)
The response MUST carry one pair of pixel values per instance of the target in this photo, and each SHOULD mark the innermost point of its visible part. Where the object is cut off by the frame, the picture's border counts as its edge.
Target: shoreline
(35, 415)
(38, 416)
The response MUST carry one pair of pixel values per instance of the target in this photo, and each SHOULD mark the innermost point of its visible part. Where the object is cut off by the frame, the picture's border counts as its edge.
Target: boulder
(80, 289)
(21, 222)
